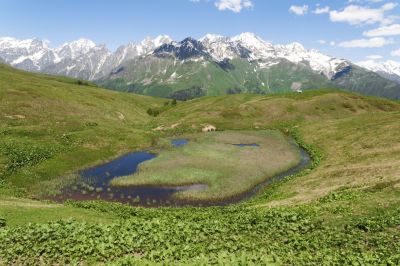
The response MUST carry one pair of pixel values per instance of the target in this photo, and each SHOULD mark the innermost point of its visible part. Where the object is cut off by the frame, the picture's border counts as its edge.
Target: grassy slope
(153, 77)
(163, 76)
(368, 83)
(19, 211)
(351, 213)
(355, 134)
(211, 159)
(50, 126)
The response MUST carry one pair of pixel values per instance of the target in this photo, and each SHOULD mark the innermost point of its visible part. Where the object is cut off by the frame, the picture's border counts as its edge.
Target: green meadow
(342, 210)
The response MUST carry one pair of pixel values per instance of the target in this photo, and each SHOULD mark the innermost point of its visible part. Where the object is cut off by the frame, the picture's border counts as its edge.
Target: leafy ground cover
(287, 235)
(212, 159)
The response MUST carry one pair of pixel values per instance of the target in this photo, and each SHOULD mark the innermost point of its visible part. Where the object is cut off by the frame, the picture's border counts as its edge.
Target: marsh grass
(212, 159)
(53, 187)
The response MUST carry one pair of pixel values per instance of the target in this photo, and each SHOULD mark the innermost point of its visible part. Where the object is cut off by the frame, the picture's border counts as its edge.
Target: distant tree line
(188, 94)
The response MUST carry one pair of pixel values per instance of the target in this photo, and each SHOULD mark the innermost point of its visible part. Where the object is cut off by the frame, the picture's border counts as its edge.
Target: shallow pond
(127, 164)
(122, 166)
(246, 145)
(179, 142)
(94, 182)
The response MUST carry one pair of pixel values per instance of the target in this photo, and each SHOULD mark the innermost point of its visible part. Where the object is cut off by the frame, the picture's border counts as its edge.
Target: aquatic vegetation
(211, 159)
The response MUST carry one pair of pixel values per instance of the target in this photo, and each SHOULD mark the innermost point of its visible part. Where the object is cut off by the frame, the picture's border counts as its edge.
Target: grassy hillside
(51, 125)
(343, 209)
(169, 77)
(355, 134)
(368, 83)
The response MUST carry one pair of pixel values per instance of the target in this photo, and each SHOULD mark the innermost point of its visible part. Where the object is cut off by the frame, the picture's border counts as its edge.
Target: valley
(199, 132)
(341, 209)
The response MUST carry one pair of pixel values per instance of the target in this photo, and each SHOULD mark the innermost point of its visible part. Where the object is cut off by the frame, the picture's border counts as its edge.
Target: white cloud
(354, 14)
(233, 5)
(395, 53)
(374, 57)
(322, 10)
(299, 10)
(391, 30)
(367, 43)
(331, 43)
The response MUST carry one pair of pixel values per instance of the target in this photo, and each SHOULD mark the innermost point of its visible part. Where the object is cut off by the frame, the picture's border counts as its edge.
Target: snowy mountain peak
(79, 46)
(387, 66)
(148, 45)
(27, 44)
(246, 36)
(188, 48)
(161, 39)
(156, 42)
(295, 46)
(76, 48)
(212, 38)
(389, 69)
(249, 39)
(6, 39)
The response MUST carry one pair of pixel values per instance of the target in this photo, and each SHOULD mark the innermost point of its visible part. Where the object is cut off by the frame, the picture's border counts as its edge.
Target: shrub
(153, 111)
(188, 94)
(2, 222)
(91, 124)
(81, 82)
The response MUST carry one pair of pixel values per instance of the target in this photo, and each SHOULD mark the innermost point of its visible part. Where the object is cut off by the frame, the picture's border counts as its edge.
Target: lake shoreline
(166, 195)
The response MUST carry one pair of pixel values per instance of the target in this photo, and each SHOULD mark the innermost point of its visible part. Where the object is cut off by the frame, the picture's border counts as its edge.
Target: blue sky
(353, 29)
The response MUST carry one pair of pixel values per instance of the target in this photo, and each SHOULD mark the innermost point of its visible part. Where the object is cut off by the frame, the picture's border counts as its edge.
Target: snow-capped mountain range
(389, 69)
(257, 49)
(80, 59)
(84, 59)
(212, 65)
